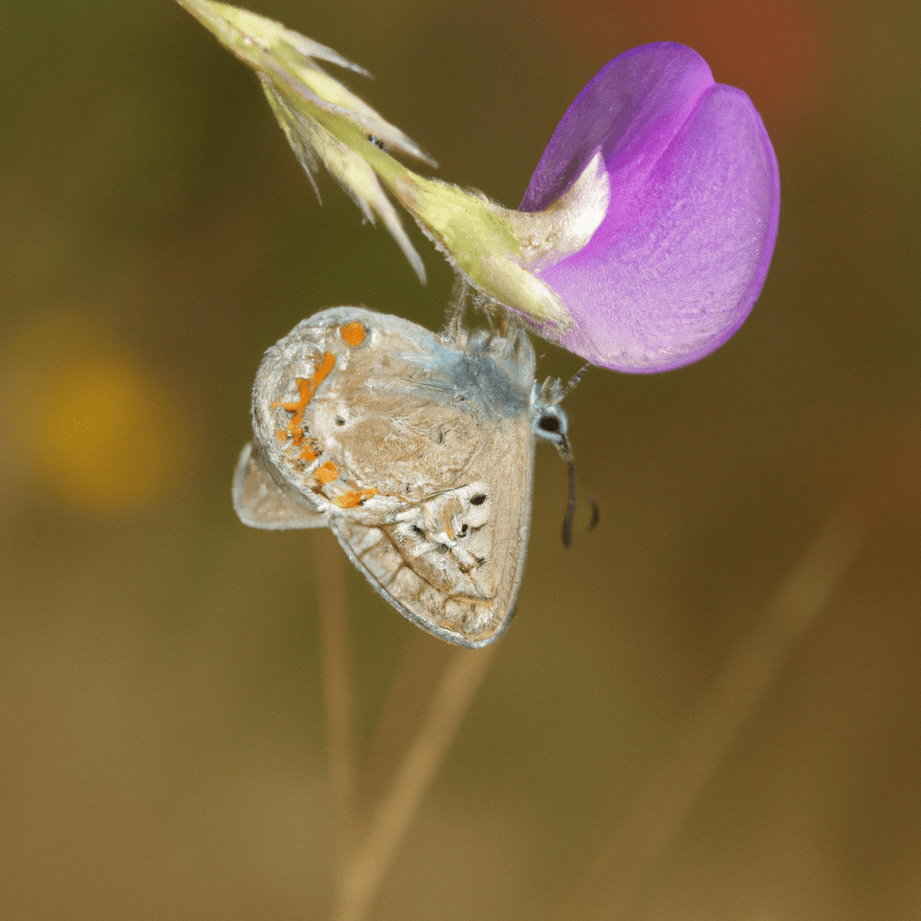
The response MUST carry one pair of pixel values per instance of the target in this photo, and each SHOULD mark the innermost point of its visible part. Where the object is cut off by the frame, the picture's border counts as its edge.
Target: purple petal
(679, 259)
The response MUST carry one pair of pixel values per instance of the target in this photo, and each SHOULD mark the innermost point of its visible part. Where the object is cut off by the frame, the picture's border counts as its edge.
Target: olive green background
(162, 750)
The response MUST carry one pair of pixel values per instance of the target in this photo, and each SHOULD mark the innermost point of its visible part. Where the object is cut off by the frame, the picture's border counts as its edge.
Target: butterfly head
(549, 421)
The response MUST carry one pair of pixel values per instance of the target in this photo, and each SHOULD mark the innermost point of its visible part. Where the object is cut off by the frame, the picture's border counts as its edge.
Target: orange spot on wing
(353, 333)
(326, 473)
(354, 497)
(306, 388)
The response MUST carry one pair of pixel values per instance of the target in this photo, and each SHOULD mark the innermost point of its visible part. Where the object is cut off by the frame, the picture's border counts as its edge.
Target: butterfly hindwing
(261, 502)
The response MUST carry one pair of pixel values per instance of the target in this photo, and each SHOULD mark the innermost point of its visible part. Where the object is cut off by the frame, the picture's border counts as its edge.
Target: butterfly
(416, 449)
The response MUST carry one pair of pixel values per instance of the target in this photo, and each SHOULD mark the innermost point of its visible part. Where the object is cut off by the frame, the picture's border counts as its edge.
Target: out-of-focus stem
(612, 883)
(398, 806)
(337, 699)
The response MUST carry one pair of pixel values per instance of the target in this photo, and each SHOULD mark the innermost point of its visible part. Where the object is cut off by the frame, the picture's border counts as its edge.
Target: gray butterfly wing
(260, 501)
(417, 452)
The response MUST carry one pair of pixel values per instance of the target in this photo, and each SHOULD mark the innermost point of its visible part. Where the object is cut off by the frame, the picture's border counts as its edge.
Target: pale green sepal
(482, 240)
(288, 57)
(299, 90)
(312, 142)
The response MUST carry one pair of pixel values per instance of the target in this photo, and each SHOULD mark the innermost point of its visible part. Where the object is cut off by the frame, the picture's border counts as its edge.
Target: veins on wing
(446, 541)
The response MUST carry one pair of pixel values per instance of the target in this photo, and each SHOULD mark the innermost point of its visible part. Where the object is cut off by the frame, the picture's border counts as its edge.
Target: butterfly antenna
(566, 453)
(568, 388)
(571, 507)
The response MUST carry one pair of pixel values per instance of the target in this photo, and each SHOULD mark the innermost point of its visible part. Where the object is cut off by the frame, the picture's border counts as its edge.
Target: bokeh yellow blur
(163, 752)
(89, 425)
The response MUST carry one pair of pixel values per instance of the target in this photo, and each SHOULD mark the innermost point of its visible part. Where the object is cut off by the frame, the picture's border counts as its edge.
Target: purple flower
(646, 231)
(685, 241)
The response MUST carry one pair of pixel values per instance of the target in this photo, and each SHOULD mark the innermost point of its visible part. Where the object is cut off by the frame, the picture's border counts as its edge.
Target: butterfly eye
(552, 424)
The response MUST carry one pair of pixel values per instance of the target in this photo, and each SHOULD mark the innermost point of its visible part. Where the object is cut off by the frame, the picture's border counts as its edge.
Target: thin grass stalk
(406, 702)
(612, 884)
(399, 805)
(337, 702)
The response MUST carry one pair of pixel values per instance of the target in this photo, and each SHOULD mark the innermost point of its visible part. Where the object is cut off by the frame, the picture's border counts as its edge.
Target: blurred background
(162, 748)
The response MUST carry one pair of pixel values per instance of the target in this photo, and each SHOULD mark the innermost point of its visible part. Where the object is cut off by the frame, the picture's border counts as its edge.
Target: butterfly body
(416, 449)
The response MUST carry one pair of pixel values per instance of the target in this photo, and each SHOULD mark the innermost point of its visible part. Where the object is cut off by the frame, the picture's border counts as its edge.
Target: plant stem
(615, 878)
(399, 804)
(337, 700)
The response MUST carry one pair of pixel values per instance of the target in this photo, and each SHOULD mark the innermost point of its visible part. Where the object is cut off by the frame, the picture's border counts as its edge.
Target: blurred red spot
(771, 50)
